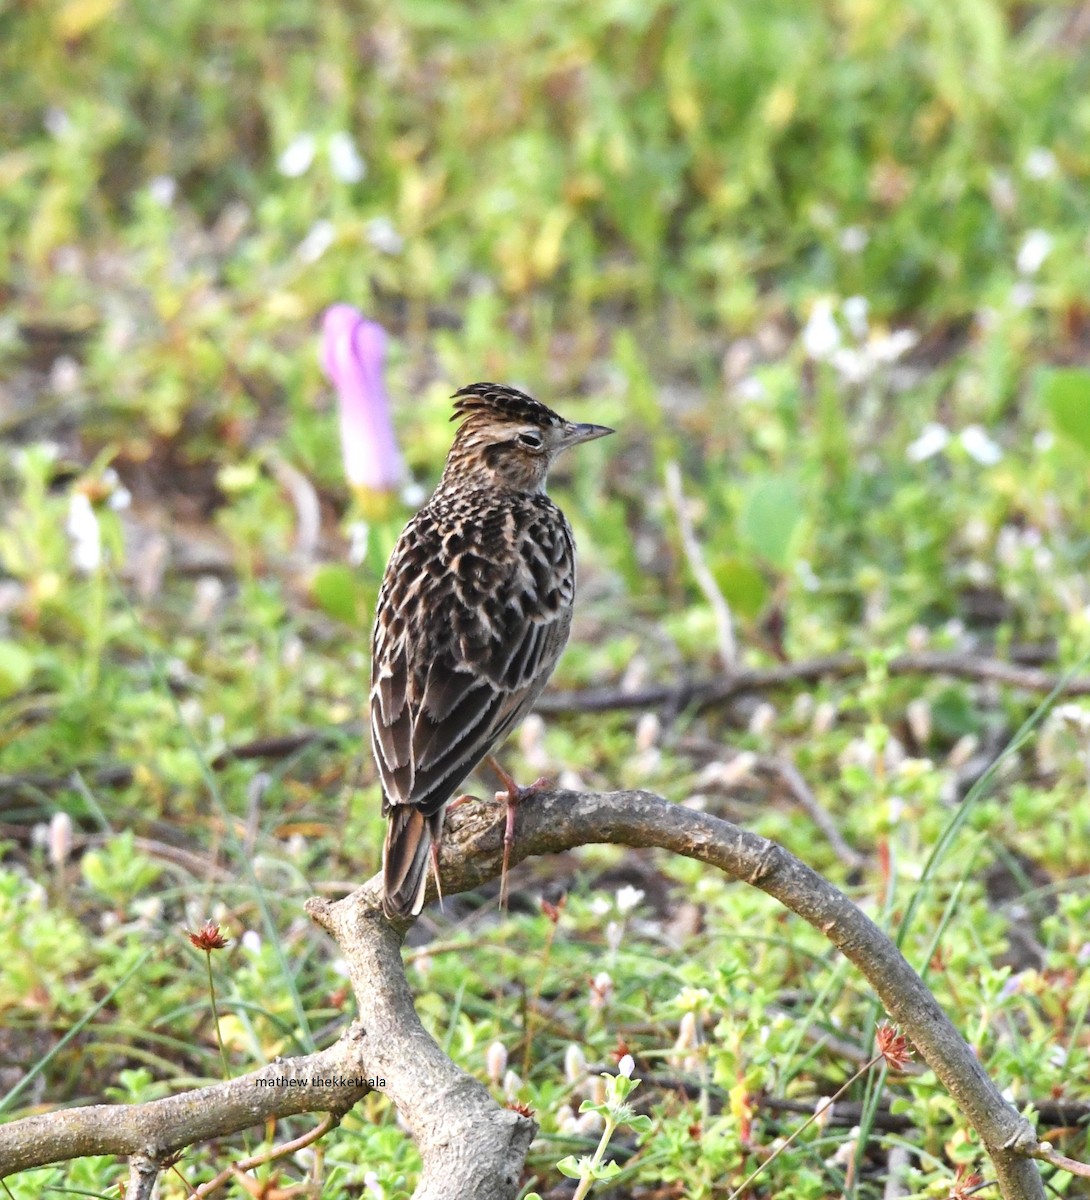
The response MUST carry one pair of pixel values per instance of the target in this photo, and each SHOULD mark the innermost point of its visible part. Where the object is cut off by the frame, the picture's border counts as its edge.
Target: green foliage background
(659, 216)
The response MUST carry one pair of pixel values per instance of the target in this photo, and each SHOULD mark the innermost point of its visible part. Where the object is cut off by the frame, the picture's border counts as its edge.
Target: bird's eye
(532, 441)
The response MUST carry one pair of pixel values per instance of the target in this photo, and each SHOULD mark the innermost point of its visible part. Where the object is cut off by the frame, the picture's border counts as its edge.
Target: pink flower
(353, 353)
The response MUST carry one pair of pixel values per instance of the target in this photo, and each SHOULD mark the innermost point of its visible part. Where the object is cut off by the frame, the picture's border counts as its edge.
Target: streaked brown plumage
(473, 613)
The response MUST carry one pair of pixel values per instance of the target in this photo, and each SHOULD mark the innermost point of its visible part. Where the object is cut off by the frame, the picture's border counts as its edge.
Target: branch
(558, 821)
(469, 1146)
(158, 1129)
(720, 689)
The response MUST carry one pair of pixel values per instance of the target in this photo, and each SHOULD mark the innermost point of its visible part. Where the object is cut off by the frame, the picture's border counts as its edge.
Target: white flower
(56, 121)
(512, 1085)
(979, 446)
(120, 497)
(1040, 163)
(933, 438)
(1023, 294)
(821, 334)
(1036, 247)
(854, 239)
(359, 534)
(162, 189)
(383, 235)
(627, 898)
(297, 156)
(82, 527)
(319, 238)
(65, 375)
(344, 159)
(855, 310)
(626, 1066)
(889, 347)
(413, 494)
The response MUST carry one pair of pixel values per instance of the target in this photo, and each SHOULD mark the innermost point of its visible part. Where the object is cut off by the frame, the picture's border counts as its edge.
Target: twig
(1045, 1153)
(694, 555)
(788, 774)
(308, 510)
(719, 690)
(328, 1122)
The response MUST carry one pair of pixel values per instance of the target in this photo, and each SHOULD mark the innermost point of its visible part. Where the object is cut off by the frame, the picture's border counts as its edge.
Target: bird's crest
(506, 403)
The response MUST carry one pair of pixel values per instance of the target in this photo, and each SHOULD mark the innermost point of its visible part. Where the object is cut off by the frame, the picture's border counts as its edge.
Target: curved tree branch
(462, 1133)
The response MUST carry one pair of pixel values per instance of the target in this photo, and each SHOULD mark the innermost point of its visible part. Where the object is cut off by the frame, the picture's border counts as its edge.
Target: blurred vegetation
(832, 259)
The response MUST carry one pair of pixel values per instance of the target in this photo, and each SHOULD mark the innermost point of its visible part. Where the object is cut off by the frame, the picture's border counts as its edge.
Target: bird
(473, 612)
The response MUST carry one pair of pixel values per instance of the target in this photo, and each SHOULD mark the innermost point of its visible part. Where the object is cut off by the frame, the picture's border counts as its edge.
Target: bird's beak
(574, 434)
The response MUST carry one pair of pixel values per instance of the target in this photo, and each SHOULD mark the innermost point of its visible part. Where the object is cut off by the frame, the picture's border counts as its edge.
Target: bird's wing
(467, 633)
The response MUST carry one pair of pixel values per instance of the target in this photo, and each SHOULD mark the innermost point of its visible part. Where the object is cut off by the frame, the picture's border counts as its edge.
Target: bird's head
(508, 439)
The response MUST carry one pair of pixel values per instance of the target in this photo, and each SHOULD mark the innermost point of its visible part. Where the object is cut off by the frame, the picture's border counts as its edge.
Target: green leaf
(607, 1170)
(336, 592)
(572, 1167)
(1066, 395)
(772, 511)
(16, 668)
(742, 584)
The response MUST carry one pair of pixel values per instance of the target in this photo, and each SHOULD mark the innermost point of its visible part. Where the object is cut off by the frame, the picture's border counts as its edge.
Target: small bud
(496, 1061)
(648, 729)
(824, 718)
(918, 715)
(60, 838)
(512, 1085)
(963, 750)
(764, 715)
(626, 1066)
(589, 1123)
(601, 989)
(687, 1032)
(565, 1119)
(575, 1064)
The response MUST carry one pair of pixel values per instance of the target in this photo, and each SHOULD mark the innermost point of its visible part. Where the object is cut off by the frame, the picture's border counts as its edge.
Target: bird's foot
(512, 795)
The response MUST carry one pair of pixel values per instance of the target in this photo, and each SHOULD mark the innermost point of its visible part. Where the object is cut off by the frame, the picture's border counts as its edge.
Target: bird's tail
(406, 855)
